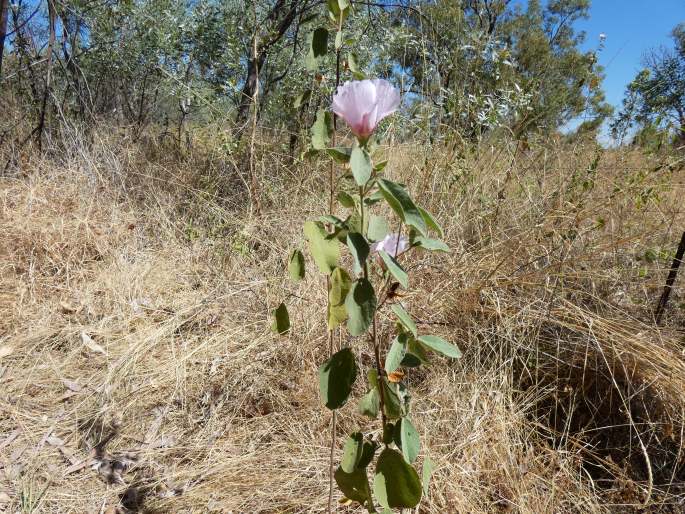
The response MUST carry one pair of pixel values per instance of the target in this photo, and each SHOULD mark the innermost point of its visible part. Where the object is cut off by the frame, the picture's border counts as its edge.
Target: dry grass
(139, 373)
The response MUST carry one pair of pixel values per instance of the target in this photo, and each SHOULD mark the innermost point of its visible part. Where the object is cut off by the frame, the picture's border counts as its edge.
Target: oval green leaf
(346, 200)
(359, 249)
(281, 323)
(378, 228)
(430, 221)
(396, 484)
(336, 377)
(404, 318)
(394, 268)
(352, 452)
(426, 473)
(400, 202)
(360, 163)
(355, 485)
(322, 130)
(438, 344)
(411, 443)
(360, 305)
(319, 42)
(370, 404)
(368, 452)
(396, 353)
(296, 265)
(324, 250)
(427, 243)
(340, 287)
(339, 154)
(391, 400)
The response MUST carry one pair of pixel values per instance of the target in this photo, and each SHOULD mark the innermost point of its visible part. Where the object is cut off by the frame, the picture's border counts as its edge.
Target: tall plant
(362, 257)
(363, 298)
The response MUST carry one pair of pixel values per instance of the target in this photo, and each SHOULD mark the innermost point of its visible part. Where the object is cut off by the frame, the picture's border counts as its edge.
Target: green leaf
(354, 221)
(359, 249)
(426, 473)
(336, 11)
(438, 344)
(404, 318)
(352, 452)
(411, 443)
(338, 40)
(391, 400)
(361, 306)
(372, 377)
(320, 42)
(336, 377)
(336, 315)
(394, 268)
(346, 199)
(396, 484)
(430, 244)
(367, 454)
(355, 485)
(430, 221)
(340, 287)
(360, 163)
(333, 220)
(324, 250)
(296, 265)
(370, 404)
(396, 353)
(378, 228)
(281, 323)
(322, 130)
(353, 62)
(374, 197)
(400, 202)
(388, 432)
(416, 354)
(302, 98)
(340, 154)
(380, 166)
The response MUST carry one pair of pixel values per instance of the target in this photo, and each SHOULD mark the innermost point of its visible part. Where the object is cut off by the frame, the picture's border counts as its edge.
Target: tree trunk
(248, 91)
(4, 6)
(52, 16)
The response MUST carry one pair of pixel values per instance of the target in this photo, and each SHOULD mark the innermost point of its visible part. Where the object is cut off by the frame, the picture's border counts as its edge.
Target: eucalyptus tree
(655, 99)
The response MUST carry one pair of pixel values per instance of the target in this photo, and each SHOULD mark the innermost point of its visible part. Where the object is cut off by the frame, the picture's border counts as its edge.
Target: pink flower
(392, 244)
(364, 103)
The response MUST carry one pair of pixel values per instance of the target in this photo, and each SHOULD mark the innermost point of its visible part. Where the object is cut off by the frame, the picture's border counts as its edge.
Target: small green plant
(362, 256)
(363, 300)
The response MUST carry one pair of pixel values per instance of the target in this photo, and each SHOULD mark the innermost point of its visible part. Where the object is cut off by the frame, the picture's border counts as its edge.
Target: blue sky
(632, 27)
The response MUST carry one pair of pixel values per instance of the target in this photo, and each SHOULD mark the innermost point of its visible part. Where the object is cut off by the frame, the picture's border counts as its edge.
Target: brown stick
(254, 181)
(658, 313)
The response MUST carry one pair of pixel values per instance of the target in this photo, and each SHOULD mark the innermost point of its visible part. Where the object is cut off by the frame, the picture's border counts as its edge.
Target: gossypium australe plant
(364, 295)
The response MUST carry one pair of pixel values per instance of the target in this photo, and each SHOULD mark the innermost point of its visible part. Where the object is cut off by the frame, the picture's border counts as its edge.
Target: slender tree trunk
(48, 73)
(4, 6)
(247, 94)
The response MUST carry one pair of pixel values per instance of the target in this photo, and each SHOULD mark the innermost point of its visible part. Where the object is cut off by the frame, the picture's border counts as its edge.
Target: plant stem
(374, 332)
(331, 204)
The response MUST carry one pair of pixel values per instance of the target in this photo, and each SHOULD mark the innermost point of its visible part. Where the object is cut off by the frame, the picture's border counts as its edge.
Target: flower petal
(363, 103)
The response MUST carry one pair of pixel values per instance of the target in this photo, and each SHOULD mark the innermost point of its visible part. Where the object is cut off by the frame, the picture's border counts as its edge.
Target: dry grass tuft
(139, 374)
